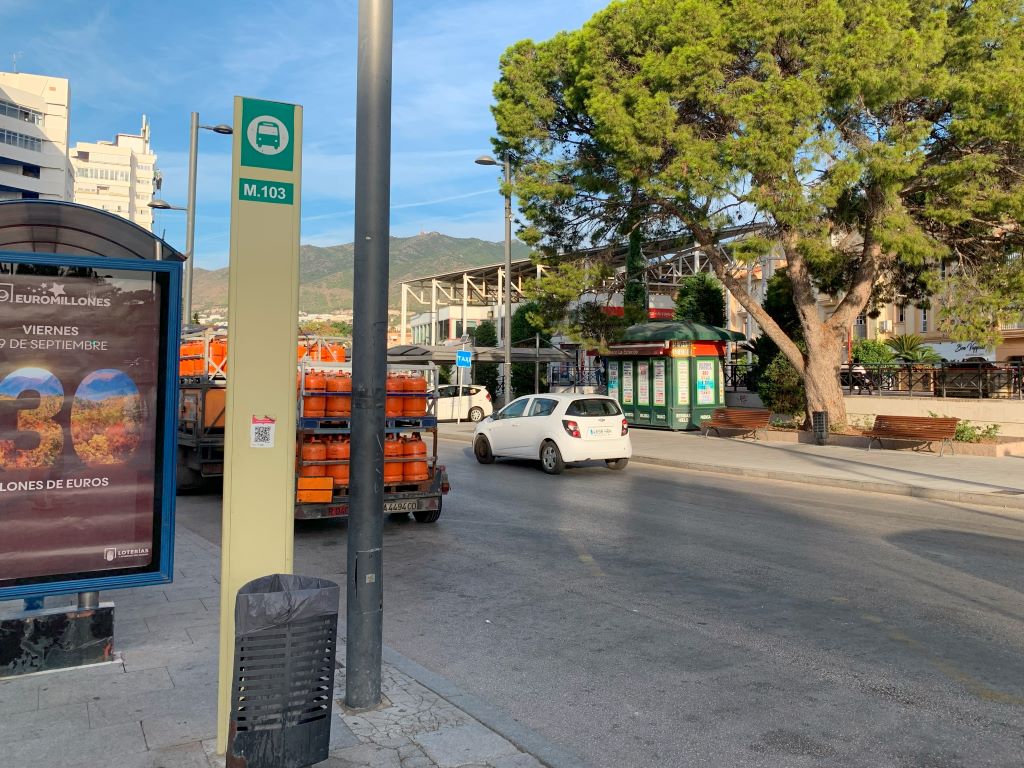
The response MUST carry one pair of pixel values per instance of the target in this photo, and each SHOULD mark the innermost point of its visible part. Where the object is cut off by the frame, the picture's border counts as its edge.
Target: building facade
(119, 176)
(34, 116)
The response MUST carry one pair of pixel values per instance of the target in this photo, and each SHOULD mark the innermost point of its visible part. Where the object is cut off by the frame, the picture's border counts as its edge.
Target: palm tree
(910, 348)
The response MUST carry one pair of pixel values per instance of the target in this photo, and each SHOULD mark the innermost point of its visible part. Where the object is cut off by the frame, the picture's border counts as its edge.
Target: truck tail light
(571, 428)
(625, 427)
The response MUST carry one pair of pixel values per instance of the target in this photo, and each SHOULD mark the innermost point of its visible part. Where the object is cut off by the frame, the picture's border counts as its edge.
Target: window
(20, 140)
(543, 406)
(862, 319)
(593, 407)
(902, 316)
(514, 409)
(924, 321)
(10, 109)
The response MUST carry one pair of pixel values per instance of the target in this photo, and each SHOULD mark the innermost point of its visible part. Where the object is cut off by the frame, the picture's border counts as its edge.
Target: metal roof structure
(668, 262)
(411, 353)
(54, 226)
(679, 330)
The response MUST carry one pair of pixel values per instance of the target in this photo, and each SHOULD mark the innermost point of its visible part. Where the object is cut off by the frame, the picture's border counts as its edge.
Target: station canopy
(54, 226)
(679, 330)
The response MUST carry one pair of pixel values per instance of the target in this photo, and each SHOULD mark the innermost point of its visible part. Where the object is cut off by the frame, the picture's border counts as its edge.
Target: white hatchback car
(473, 403)
(557, 429)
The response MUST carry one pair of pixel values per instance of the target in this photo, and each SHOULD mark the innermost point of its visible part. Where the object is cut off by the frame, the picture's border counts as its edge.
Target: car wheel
(551, 458)
(482, 450)
(428, 515)
(616, 463)
(476, 413)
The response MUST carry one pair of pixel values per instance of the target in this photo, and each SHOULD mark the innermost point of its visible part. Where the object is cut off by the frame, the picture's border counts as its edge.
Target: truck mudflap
(425, 504)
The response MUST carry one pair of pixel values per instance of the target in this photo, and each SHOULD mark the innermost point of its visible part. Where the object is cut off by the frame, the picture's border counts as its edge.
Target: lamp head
(485, 160)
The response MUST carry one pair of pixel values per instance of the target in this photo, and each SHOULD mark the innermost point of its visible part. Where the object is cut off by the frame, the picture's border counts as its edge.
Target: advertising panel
(613, 379)
(705, 382)
(86, 379)
(627, 382)
(659, 382)
(682, 382)
(643, 386)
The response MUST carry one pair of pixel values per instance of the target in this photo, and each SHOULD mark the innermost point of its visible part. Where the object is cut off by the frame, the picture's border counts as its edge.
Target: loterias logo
(110, 554)
(50, 294)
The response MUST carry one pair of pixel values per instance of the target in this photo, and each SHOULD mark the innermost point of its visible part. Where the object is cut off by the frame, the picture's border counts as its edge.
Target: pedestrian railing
(974, 379)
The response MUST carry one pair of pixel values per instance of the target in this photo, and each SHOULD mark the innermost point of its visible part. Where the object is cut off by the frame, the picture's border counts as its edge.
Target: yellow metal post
(263, 291)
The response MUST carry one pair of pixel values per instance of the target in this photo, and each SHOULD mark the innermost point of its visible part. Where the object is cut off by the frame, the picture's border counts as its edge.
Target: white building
(448, 323)
(119, 176)
(34, 137)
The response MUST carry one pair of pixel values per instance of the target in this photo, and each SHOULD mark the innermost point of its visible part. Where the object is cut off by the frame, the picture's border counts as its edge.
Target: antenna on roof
(14, 61)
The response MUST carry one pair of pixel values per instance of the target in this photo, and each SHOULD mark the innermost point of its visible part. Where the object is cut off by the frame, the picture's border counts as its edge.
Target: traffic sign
(463, 358)
(268, 134)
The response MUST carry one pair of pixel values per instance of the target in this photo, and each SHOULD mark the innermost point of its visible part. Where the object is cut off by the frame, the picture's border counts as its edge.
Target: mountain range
(325, 274)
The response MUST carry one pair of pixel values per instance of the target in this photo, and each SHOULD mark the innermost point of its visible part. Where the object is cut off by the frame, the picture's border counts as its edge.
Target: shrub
(966, 432)
(871, 352)
(781, 389)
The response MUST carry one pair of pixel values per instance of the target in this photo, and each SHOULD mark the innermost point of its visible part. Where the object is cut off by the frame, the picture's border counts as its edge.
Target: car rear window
(593, 406)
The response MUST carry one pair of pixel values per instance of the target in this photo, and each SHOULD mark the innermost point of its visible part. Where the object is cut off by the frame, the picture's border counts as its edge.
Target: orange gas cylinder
(339, 404)
(393, 401)
(183, 364)
(337, 450)
(337, 352)
(416, 401)
(218, 357)
(393, 449)
(315, 405)
(414, 471)
(313, 450)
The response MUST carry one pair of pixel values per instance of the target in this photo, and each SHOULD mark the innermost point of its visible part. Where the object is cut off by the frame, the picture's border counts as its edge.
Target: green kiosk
(669, 375)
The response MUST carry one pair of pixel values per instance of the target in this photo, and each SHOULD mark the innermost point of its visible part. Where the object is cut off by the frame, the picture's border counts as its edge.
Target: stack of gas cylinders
(199, 356)
(328, 394)
(405, 458)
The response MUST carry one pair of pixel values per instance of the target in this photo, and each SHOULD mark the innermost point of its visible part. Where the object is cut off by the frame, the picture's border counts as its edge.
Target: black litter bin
(283, 675)
(819, 423)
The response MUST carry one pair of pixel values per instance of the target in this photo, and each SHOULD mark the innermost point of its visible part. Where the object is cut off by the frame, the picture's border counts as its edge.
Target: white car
(557, 429)
(473, 403)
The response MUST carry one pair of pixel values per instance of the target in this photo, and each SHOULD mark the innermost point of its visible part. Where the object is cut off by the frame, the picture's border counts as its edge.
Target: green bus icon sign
(268, 134)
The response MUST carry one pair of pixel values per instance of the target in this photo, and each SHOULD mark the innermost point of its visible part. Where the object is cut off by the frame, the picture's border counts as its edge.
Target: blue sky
(166, 59)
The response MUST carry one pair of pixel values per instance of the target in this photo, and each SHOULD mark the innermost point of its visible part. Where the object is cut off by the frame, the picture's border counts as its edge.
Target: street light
(507, 334)
(190, 207)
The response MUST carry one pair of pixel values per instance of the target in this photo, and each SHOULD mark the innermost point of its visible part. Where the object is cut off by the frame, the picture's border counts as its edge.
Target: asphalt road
(657, 617)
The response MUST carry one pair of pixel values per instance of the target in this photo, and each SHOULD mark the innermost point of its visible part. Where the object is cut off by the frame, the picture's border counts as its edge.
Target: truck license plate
(401, 506)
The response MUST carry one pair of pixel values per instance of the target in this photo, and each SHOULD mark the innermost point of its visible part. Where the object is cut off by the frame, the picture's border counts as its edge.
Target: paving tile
(19, 694)
(462, 745)
(201, 673)
(153, 704)
(60, 690)
(173, 623)
(96, 747)
(58, 721)
(174, 730)
(155, 609)
(204, 634)
(160, 651)
(185, 756)
(365, 756)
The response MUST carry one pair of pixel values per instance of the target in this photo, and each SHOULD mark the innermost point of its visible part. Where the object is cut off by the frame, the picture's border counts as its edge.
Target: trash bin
(283, 676)
(819, 423)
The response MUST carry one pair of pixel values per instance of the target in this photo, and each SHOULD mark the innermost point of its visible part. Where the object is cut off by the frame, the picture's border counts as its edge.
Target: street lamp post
(507, 332)
(190, 208)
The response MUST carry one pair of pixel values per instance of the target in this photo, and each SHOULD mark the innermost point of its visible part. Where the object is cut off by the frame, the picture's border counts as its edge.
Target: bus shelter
(669, 375)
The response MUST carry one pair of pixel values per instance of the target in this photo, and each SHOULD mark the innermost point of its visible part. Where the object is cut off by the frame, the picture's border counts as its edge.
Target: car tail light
(488, 396)
(625, 427)
(571, 428)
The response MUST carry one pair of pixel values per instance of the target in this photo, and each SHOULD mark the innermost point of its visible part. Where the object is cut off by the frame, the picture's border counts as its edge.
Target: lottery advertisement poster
(83, 352)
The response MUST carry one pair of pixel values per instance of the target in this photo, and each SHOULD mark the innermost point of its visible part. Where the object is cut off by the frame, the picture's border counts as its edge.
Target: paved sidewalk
(156, 706)
(969, 479)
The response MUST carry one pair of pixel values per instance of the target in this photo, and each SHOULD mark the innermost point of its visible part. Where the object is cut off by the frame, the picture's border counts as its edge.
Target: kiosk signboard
(87, 392)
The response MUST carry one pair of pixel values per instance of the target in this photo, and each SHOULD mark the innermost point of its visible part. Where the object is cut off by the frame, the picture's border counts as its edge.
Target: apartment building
(119, 176)
(34, 116)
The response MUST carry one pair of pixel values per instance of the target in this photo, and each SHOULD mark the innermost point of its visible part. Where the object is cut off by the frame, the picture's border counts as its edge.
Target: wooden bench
(927, 429)
(747, 420)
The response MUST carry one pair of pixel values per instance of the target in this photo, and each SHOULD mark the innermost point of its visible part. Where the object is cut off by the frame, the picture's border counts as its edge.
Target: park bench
(927, 429)
(746, 420)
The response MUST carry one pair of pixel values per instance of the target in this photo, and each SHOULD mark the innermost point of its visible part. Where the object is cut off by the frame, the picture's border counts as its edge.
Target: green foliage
(326, 328)
(562, 302)
(875, 141)
(701, 300)
(523, 334)
(778, 303)
(966, 432)
(486, 374)
(872, 352)
(910, 348)
(781, 388)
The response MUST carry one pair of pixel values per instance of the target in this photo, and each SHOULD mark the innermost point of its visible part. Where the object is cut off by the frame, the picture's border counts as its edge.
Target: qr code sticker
(261, 434)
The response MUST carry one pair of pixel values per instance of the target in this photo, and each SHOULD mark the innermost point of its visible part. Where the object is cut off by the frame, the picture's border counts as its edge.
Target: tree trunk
(821, 380)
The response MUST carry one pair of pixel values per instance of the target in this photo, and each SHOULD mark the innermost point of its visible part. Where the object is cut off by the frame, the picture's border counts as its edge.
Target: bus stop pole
(365, 577)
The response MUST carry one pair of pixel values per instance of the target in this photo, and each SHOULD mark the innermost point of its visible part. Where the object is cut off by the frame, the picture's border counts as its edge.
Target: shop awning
(446, 355)
(53, 226)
